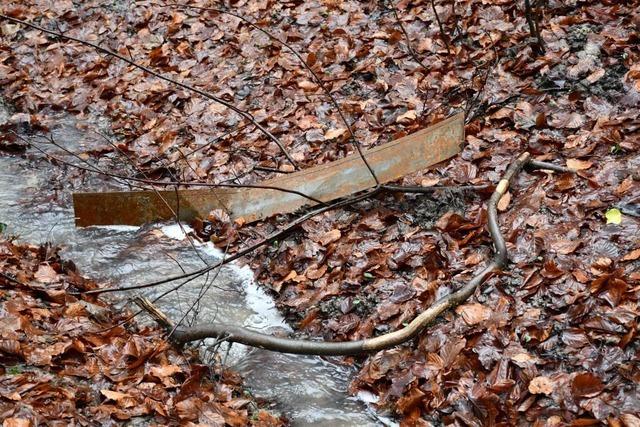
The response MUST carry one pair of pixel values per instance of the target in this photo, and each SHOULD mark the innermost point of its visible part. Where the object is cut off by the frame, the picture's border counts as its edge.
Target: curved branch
(286, 345)
(148, 70)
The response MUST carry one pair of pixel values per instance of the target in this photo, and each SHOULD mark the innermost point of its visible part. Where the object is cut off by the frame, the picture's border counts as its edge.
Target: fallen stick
(242, 335)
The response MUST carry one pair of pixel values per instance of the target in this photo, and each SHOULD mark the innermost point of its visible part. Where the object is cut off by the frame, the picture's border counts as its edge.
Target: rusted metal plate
(327, 182)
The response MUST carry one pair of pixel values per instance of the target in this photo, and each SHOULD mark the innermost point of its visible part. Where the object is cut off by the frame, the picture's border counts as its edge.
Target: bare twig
(533, 19)
(412, 52)
(442, 33)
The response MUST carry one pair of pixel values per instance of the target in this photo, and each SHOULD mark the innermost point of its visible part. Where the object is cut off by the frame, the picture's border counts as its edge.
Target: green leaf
(3, 227)
(614, 216)
(368, 275)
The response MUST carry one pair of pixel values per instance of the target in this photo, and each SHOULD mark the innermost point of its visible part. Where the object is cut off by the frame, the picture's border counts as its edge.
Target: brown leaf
(632, 256)
(578, 165)
(330, 237)
(586, 385)
(334, 133)
(165, 371)
(541, 385)
(630, 420)
(16, 422)
(565, 247)
(46, 274)
(407, 117)
(473, 313)
(307, 85)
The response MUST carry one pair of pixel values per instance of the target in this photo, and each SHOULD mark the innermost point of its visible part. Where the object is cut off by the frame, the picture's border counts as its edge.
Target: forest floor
(550, 341)
(71, 359)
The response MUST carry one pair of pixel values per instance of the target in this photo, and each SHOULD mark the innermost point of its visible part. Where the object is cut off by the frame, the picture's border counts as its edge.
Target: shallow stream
(35, 204)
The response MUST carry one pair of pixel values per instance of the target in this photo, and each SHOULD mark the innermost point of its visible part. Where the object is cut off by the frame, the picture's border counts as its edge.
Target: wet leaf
(578, 165)
(473, 313)
(587, 385)
(330, 237)
(541, 385)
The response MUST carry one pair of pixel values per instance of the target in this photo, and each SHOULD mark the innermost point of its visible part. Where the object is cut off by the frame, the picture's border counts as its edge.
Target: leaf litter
(552, 341)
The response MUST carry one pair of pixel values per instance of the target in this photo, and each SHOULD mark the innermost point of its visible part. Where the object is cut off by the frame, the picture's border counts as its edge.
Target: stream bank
(35, 205)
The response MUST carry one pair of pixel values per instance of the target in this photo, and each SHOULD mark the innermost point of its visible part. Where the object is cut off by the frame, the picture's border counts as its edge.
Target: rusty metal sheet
(326, 182)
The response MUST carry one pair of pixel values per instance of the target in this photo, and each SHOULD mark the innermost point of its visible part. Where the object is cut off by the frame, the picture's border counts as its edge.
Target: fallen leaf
(429, 182)
(330, 237)
(334, 133)
(473, 313)
(407, 117)
(565, 247)
(632, 256)
(165, 371)
(503, 203)
(114, 395)
(307, 85)
(578, 165)
(45, 274)
(541, 385)
(524, 359)
(614, 216)
(587, 385)
(16, 422)
(596, 75)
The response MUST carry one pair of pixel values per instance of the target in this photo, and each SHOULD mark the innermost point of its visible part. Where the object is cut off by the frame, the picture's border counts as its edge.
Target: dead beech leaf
(624, 186)
(565, 247)
(630, 420)
(601, 264)
(473, 313)
(165, 371)
(16, 422)
(596, 75)
(541, 385)
(334, 133)
(45, 274)
(524, 359)
(314, 272)
(429, 182)
(307, 85)
(578, 165)
(587, 385)
(504, 201)
(407, 117)
(330, 237)
(287, 168)
(114, 395)
(632, 256)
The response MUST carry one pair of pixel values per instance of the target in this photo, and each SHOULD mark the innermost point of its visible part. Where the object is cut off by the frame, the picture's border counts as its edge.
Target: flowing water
(36, 206)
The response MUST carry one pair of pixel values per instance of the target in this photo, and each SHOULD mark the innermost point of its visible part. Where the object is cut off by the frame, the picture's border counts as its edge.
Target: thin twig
(442, 33)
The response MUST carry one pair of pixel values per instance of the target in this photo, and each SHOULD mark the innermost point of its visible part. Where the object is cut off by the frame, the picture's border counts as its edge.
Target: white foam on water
(367, 397)
(266, 314)
(124, 228)
(175, 231)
